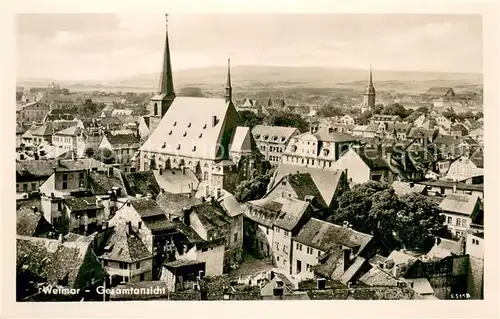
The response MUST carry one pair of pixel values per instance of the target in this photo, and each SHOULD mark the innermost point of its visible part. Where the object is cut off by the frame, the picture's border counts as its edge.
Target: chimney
(214, 120)
(161, 170)
(346, 257)
(186, 213)
(129, 227)
(60, 239)
(183, 169)
(412, 184)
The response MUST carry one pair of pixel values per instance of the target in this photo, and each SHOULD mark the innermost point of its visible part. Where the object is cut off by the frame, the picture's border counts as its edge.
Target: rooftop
(125, 246)
(460, 203)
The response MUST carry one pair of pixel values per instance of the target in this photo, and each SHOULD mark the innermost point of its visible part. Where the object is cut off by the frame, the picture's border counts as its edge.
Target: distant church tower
(229, 90)
(160, 103)
(369, 98)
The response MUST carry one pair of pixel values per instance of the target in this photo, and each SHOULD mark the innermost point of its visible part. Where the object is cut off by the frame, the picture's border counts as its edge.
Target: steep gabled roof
(125, 246)
(304, 185)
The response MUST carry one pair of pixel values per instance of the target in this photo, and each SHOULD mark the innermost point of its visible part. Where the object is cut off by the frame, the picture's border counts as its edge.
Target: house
(70, 139)
(142, 184)
(443, 121)
(34, 112)
(464, 168)
(458, 129)
(251, 106)
(110, 123)
(442, 187)
(318, 148)
(329, 251)
(59, 101)
(460, 210)
(173, 204)
(474, 247)
(441, 92)
(363, 165)
(316, 185)
(31, 174)
(30, 222)
(419, 121)
(81, 215)
(347, 120)
(72, 265)
(43, 134)
(125, 258)
(291, 215)
(366, 131)
(123, 147)
(379, 118)
(234, 246)
(153, 227)
(106, 111)
(404, 188)
(478, 135)
(120, 112)
(272, 140)
(444, 248)
(242, 144)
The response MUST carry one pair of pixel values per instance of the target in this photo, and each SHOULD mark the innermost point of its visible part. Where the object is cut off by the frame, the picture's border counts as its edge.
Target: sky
(114, 46)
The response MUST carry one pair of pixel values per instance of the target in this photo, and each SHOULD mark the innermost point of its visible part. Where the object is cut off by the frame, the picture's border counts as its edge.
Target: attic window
(194, 150)
(283, 138)
(257, 136)
(185, 134)
(326, 152)
(178, 146)
(294, 148)
(189, 124)
(201, 134)
(275, 138)
(204, 126)
(175, 123)
(164, 144)
(266, 137)
(170, 133)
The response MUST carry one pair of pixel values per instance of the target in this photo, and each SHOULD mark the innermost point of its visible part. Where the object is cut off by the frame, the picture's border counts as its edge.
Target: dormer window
(204, 126)
(266, 137)
(164, 145)
(185, 134)
(189, 124)
(178, 146)
(257, 136)
(175, 123)
(194, 150)
(170, 133)
(326, 152)
(201, 135)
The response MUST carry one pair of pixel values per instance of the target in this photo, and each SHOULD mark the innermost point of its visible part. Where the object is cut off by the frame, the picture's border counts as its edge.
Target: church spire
(166, 80)
(229, 89)
(371, 77)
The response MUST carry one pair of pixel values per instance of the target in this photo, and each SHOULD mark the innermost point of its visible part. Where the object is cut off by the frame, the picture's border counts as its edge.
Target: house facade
(272, 140)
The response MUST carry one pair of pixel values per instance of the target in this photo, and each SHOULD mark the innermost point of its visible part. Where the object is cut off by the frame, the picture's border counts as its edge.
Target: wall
(300, 252)
(213, 258)
(453, 227)
(282, 249)
(474, 246)
(197, 226)
(357, 170)
(73, 180)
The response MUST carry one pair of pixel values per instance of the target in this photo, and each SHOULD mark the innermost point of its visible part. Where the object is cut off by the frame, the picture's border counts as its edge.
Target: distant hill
(261, 77)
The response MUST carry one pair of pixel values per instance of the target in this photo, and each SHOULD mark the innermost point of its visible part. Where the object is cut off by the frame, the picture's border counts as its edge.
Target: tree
(191, 91)
(413, 116)
(378, 109)
(249, 118)
(89, 152)
(282, 118)
(423, 110)
(105, 155)
(253, 188)
(374, 208)
(331, 111)
(466, 115)
(396, 109)
(364, 117)
(479, 115)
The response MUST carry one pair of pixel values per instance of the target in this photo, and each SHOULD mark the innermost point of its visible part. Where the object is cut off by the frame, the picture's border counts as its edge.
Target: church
(196, 133)
(369, 97)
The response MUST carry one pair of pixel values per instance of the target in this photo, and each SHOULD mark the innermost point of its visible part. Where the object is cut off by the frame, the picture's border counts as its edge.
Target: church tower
(160, 103)
(229, 90)
(369, 98)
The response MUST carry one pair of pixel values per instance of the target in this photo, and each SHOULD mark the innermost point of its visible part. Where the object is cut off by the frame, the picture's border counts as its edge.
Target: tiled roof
(174, 181)
(211, 215)
(323, 236)
(146, 207)
(82, 203)
(192, 136)
(324, 135)
(420, 131)
(242, 140)
(403, 188)
(123, 140)
(36, 106)
(101, 183)
(55, 262)
(303, 185)
(377, 277)
(125, 246)
(326, 181)
(460, 203)
(33, 170)
(173, 204)
(142, 183)
(27, 221)
(231, 205)
(449, 184)
(290, 212)
(45, 130)
(71, 131)
(276, 134)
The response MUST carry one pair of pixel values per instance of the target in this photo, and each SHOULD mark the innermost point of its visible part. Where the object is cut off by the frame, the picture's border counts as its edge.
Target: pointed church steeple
(166, 80)
(371, 77)
(229, 89)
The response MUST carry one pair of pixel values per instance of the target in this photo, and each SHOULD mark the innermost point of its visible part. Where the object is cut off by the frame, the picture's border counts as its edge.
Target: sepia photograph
(249, 156)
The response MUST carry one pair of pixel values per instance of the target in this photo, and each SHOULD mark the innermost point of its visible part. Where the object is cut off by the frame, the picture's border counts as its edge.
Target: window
(450, 220)
(277, 246)
(285, 248)
(310, 250)
(286, 233)
(299, 247)
(138, 265)
(464, 222)
(319, 253)
(308, 267)
(277, 258)
(33, 187)
(81, 175)
(458, 222)
(64, 185)
(141, 277)
(25, 187)
(105, 262)
(204, 249)
(65, 177)
(284, 261)
(124, 279)
(236, 237)
(123, 266)
(267, 231)
(299, 266)
(59, 206)
(442, 190)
